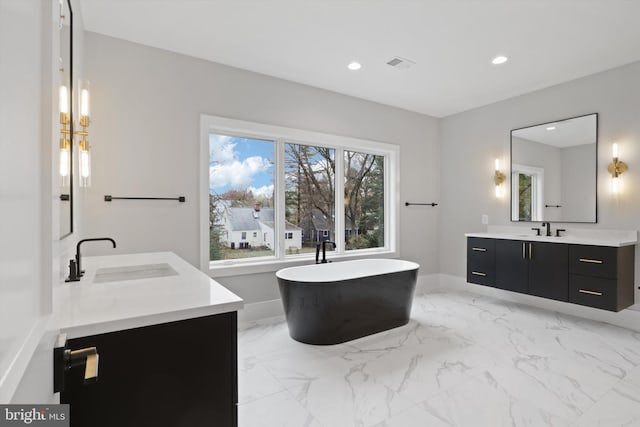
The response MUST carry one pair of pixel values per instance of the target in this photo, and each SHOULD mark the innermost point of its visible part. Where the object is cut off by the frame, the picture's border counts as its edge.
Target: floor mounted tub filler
(341, 301)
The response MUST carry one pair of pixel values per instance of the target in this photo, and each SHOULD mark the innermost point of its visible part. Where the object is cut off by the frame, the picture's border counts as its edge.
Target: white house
(244, 228)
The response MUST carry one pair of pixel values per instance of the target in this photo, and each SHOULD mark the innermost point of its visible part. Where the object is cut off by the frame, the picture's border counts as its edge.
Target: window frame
(280, 136)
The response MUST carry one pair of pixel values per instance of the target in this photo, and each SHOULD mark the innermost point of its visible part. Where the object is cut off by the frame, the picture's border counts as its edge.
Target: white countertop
(614, 238)
(88, 308)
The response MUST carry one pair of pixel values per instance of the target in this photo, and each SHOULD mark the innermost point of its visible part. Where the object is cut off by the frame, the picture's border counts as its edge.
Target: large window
(241, 211)
(528, 183)
(276, 193)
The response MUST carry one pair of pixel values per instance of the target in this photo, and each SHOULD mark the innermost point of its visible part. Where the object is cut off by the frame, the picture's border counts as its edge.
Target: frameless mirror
(65, 149)
(553, 171)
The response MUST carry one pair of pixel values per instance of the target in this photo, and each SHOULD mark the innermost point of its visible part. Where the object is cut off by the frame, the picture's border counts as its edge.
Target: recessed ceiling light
(551, 128)
(500, 59)
(353, 66)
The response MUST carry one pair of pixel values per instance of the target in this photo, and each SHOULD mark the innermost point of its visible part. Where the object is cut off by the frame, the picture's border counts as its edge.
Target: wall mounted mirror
(554, 171)
(65, 148)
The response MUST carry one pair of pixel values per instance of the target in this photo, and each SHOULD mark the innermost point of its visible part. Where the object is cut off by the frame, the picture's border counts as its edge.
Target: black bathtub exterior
(324, 313)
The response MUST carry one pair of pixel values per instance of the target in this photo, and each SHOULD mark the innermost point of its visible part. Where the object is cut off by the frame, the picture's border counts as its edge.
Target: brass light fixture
(85, 155)
(498, 178)
(65, 143)
(66, 136)
(616, 168)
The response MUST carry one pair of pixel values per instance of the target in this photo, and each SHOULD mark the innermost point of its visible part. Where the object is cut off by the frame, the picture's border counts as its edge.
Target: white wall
(471, 140)
(26, 228)
(146, 106)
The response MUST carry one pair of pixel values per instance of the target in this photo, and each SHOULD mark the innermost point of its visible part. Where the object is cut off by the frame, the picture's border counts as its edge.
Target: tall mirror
(554, 170)
(65, 148)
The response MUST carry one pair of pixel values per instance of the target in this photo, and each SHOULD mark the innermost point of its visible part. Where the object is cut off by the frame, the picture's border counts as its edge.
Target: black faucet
(548, 225)
(75, 271)
(324, 251)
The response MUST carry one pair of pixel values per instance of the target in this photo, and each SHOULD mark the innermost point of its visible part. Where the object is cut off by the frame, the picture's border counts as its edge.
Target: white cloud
(264, 191)
(221, 148)
(237, 174)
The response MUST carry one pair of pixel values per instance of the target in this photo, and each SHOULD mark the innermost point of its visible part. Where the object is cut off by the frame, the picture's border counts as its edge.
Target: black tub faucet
(548, 225)
(75, 271)
(324, 251)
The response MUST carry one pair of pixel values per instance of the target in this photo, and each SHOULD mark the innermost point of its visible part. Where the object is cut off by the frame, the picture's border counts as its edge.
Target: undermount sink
(133, 272)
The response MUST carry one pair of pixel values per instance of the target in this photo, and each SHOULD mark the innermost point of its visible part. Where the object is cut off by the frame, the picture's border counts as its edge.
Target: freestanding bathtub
(341, 301)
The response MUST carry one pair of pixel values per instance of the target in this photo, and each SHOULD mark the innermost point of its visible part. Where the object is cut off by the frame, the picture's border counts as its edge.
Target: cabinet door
(549, 270)
(512, 265)
(178, 374)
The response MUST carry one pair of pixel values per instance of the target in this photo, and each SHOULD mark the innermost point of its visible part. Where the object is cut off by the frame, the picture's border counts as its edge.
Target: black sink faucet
(75, 271)
(324, 251)
(548, 225)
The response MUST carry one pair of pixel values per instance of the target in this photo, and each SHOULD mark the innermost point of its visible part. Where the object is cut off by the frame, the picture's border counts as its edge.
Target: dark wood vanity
(595, 276)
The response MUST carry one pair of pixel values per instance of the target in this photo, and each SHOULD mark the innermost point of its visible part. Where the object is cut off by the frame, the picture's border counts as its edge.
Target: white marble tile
(462, 360)
(255, 381)
(618, 408)
(276, 410)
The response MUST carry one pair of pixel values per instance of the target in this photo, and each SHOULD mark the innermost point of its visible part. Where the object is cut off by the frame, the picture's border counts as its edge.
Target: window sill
(243, 267)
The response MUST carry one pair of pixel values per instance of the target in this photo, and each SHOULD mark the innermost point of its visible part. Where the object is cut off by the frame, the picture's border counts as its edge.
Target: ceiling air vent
(401, 63)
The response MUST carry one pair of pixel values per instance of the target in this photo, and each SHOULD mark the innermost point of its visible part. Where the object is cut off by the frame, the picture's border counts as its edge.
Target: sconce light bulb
(64, 162)
(85, 164)
(616, 185)
(84, 103)
(63, 99)
(497, 164)
(614, 149)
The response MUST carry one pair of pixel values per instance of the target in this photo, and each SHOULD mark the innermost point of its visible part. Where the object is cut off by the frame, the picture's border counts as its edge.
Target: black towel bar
(108, 198)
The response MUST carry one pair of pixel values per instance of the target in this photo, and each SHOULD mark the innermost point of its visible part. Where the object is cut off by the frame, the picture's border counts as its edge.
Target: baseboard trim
(261, 310)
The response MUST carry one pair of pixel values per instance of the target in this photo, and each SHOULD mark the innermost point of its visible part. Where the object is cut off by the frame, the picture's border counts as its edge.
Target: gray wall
(146, 106)
(471, 140)
(576, 173)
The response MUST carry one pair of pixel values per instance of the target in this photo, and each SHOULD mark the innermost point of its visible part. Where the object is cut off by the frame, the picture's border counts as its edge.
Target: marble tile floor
(463, 360)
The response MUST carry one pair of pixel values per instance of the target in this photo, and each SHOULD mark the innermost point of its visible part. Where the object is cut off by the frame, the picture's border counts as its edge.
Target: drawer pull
(591, 261)
(477, 273)
(583, 291)
(479, 249)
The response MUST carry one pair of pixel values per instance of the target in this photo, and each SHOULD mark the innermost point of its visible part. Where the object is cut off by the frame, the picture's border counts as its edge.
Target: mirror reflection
(65, 109)
(553, 171)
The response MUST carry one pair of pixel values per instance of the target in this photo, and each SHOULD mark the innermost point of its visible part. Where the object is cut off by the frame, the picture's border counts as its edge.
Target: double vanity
(594, 268)
(166, 336)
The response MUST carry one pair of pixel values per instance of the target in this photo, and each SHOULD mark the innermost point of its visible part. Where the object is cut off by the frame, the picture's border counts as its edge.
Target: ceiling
(564, 133)
(451, 42)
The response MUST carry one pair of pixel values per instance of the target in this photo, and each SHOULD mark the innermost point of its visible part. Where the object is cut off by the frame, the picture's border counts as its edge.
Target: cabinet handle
(479, 249)
(583, 291)
(524, 251)
(87, 357)
(530, 250)
(477, 273)
(591, 261)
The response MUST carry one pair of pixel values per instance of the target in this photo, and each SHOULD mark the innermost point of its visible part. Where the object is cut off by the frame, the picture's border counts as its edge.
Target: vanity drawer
(594, 292)
(481, 261)
(598, 261)
(481, 249)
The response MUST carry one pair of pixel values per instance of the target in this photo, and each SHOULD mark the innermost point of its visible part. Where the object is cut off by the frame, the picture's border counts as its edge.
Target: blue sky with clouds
(240, 164)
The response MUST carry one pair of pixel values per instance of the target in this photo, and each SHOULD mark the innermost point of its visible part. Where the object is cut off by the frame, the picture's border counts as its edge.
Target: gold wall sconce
(65, 143)
(616, 168)
(66, 136)
(498, 178)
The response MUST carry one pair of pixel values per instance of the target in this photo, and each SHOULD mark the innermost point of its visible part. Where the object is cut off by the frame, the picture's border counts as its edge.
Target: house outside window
(314, 189)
